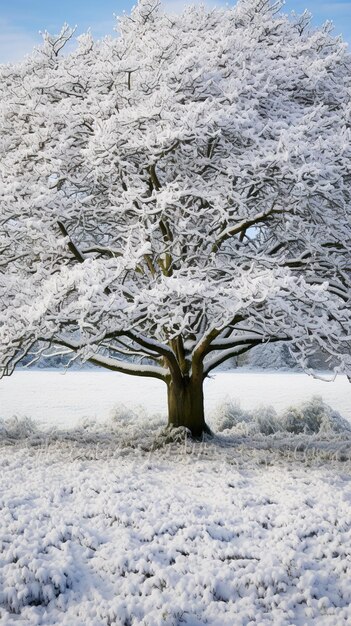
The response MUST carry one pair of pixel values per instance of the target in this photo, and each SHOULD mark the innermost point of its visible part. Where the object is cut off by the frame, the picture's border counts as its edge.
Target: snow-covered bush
(266, 419)
(311, 417)
(135, 428)
(17, 428)
(230, 416)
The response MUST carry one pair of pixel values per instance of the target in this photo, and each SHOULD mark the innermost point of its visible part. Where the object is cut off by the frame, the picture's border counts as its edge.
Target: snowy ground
(105, 523)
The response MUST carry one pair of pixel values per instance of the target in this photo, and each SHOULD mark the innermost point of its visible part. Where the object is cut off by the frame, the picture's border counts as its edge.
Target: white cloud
(15, 43)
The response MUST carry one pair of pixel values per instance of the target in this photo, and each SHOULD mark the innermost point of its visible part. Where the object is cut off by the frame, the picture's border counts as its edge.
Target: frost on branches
(178, 194)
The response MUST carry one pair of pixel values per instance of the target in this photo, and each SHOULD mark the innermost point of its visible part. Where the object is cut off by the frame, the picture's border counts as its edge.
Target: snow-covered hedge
(135, 429)
(311, 417)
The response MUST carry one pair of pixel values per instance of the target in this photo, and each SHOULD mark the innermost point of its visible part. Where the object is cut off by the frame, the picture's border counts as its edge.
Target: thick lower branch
(133, 369)
(235, 351)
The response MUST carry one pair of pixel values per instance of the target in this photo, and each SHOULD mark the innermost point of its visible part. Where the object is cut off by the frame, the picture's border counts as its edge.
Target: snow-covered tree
(270, 356)
(178, 194)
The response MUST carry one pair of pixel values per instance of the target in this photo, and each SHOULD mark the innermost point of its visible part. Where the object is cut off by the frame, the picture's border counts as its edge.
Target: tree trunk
(186, 405)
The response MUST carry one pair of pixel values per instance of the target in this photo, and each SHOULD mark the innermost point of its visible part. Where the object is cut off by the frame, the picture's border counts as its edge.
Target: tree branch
(236, 351)
(114, 365)
(71, 246)
(243, 226)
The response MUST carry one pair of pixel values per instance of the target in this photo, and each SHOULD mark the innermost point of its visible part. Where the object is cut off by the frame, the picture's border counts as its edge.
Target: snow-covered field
(65, 398)
(105, 523)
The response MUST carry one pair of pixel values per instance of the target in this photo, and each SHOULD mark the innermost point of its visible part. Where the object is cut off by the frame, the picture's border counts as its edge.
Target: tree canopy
(177, 194)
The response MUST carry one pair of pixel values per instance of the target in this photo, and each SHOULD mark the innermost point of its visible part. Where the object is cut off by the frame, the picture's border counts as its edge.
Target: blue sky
(21, 20)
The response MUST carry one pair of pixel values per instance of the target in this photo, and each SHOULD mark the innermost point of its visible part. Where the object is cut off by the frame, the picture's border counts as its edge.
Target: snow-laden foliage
(274, 356)
(180, 192)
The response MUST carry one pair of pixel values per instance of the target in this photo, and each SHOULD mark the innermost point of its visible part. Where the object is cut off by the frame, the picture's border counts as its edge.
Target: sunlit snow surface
(105, 524)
